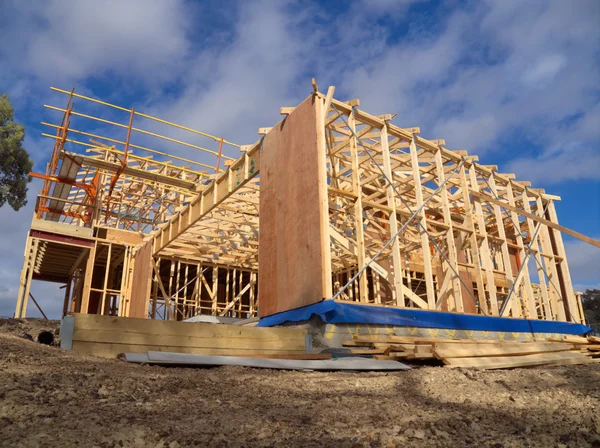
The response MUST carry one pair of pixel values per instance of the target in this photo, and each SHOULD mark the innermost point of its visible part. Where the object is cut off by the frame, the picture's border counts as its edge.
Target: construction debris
(482, 354)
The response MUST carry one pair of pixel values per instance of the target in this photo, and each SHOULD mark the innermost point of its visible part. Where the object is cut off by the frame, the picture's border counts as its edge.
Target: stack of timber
(482, 354)
(108, 337)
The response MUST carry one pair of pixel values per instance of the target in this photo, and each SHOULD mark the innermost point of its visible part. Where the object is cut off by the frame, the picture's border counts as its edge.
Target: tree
(15, 163)
(590, 301)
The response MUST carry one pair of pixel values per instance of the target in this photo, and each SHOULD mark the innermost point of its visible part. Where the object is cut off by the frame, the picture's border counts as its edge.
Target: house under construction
(330, 204)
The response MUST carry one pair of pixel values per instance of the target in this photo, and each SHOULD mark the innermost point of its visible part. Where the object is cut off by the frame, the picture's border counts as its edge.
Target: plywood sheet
(286, 364)
(291, 273)
(141, 281)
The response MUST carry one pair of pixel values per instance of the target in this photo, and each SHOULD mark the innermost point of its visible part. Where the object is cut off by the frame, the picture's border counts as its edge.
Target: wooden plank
(204, 339)
(444, 350)
(24, 279)
(358, 213)
(420, 340)
(110, 350)
(556, 299)
(503, 362)
(546, 222)
(292, 270)
(128, 170)
(451, 296)
(61, 228)
(87, 281)
(431, 303)
(95, 322)
(356, 344)
(470, 223)
(322, 108)
(420, 356)
(124, 237)
(508, 271)
(545, 297)
(573, 339)
(398, 288)
(484, 248)
(564, 268)
(374, 351)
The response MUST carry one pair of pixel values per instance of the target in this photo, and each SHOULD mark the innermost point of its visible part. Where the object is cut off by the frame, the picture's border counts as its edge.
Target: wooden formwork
(343, 205)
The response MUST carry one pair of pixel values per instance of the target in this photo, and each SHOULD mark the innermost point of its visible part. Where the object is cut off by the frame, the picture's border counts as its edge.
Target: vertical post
(580, 307)
(564, 267)
(556, 298)
(508, 275)
(22, 312)
(391, 203)
(239, 303)
(529, 299)
(168, 300)
(476, 258)
(186, 308)
(219, 157)
(197, 290)
(87, 279)
(545, 299)
(23, 277)
(235, 287)
(67, 297)
(484, 247)
(176, 298)
(105, 282)
(321, 110)
(227, 287)
(358, 212)
(414, 159)
(252, 298)
(215, 275)
(154, 298)
(454, 292)
(125, 283)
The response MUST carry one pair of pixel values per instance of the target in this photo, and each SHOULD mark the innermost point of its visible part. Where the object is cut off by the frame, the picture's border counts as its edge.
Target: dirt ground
(55, 398)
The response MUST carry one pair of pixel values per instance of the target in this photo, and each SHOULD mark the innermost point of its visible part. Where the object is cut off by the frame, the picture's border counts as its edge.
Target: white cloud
(567, 164)
(544, 70)
(60, 39)
(249, 79)
(584, 262)
(497, 69)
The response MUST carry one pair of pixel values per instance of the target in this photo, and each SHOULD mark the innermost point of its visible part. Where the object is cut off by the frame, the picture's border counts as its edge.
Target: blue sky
(517, 83)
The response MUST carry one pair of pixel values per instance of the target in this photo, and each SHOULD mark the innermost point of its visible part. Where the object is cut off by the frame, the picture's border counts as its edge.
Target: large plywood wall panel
(291, 267)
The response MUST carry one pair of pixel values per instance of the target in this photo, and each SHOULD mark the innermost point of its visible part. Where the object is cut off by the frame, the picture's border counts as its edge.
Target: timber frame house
(343, 205)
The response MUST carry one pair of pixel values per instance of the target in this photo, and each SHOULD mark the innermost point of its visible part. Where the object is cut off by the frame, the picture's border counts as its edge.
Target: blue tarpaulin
(336, 313)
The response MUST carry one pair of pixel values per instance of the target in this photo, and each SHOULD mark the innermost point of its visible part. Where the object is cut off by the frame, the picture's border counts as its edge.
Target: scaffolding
(397, 220)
